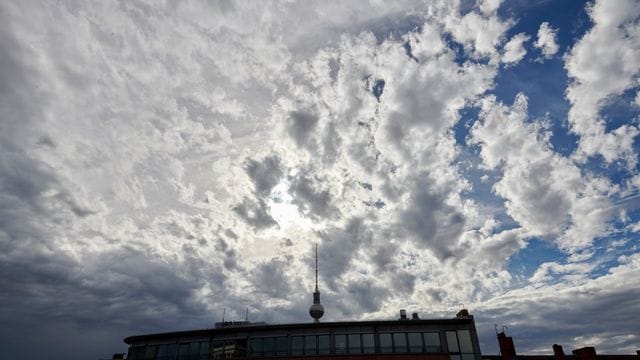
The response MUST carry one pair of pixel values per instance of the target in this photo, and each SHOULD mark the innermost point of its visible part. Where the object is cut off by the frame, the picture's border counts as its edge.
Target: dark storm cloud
(255, 213)
(265, 174)
(339, 247)
(431, 221)
(556, 317)
(301, 124)
(365, 295)
(310, 199)
(270, 278)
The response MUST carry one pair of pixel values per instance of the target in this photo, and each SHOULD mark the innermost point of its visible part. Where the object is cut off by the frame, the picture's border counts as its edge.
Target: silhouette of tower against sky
(316, 310)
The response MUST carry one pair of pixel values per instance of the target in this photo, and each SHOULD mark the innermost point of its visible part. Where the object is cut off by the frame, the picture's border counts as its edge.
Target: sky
(164, 161)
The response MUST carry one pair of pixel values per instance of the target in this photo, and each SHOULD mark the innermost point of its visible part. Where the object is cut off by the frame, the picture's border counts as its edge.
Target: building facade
(433, 339)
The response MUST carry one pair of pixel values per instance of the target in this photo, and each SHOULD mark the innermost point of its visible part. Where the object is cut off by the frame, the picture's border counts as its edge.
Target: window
(400, 342)
(452, 342)
(151, 352)
(310, 345)
(341, 344)
(415, 342)
(136, 353)
(464, 338)
(432, 342)
(194, 350)
(354, 344)
(386, 344)
(324, 347)
(218, 350)
(256, 346)
(281, 346)
(297, 345)
(368, 345)
(183, 351)
(269, 346)
(205, 349)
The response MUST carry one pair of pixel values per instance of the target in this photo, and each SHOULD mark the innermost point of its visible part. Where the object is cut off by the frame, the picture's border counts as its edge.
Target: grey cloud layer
(161, 162)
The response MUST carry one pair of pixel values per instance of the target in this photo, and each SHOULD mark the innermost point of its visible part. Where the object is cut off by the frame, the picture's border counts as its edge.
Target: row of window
(458, 343)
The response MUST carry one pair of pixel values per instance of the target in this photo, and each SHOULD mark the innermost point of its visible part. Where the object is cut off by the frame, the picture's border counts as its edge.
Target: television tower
(316, 310)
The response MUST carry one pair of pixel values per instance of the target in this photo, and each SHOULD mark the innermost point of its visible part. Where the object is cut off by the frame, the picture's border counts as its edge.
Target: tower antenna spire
(316, 310)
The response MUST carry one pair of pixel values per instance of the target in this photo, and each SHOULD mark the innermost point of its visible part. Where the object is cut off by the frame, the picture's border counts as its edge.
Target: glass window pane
(455, 357)
(204, 348)
(386, 346)
(465, 341)
(323, 344)
(400, 342)
(269, 346)
(162, 351)
(452, 341)
(150, 354)
(194, 349)
(368, 346)
(341, 344)
(183, 351)
(468, 357)
(256, 347)
(136, 353)
(415, 342)
(297, 345)
(172, 349)
(432, 342)
(281, 346)
(310, 345)
(354, 344)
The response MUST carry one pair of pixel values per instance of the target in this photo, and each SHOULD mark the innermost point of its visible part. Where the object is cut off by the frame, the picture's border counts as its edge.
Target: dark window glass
(162, 352)
(151, 352)
(468, 357)
(415, 342)
(400, 342)
(432, 342)
(310, 345)
(368, 345)
(281, 346)
(269, 346)
(183, 351)
(323, 344)
(297, 343)
(205, 349)
(194, 349)
(386, 345)
(256, 347)
(172, 350)
(341, 344)
(452, 341)
(136, 353)
(464, 337)
(354, 344)
(455, 357)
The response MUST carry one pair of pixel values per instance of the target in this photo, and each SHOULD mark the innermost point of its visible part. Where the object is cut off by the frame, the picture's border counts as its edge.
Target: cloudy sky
(163, 160)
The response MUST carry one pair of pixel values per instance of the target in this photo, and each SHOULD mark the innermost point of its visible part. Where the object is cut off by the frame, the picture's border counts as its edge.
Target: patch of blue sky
(621, 110)
(523, 264)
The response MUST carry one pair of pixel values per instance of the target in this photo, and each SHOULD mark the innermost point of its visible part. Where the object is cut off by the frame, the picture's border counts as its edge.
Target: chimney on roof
(507, 349)
(585, 353)
(414, 316)
(403, 314)
(463, 314)
(558, 353)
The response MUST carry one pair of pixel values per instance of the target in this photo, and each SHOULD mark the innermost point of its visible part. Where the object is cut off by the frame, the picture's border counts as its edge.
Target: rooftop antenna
(246, 315)
(316, 310)
(224, 311)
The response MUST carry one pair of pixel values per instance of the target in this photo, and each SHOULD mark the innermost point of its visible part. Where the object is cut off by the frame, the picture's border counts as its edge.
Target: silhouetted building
(432, 339)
